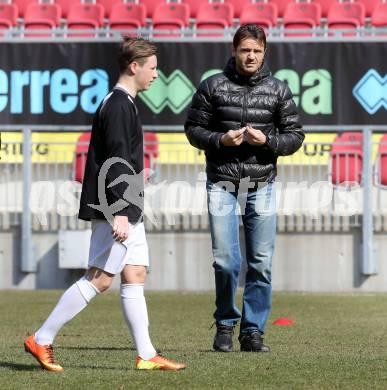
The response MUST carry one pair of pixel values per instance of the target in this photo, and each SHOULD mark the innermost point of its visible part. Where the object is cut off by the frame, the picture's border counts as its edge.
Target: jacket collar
(231, 73)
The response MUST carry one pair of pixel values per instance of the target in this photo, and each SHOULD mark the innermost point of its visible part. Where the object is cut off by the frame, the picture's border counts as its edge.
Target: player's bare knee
(101, 279)
(136, 277)
(140, 273)
(104, 285)
(134, 274)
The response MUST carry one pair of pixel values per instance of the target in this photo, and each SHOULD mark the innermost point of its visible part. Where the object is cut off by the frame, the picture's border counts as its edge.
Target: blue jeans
(259, 221)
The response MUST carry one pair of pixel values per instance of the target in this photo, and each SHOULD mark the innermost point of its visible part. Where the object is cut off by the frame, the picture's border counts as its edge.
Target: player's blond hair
(134, 49)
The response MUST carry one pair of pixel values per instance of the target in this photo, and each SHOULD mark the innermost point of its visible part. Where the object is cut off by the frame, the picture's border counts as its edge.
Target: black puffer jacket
(230, 101)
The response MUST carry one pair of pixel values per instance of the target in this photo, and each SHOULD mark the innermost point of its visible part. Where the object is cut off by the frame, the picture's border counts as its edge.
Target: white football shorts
(112, 256)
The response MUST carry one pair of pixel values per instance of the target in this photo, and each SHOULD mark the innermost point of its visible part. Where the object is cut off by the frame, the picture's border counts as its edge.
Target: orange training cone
(283, 321)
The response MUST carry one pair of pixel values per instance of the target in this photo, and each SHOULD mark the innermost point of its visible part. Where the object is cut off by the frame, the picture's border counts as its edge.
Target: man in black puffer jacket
(243, 119)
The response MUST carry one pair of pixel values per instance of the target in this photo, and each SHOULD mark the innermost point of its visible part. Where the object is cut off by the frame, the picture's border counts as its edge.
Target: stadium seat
(194, 6)
(301, 16)
(379, 15)
(325, 5)
(214, 16)
(85, 16)
(151, 152)
(170, 16)
(346, 16)
(81, 150)
(263, 14)
(238, 5)
(281, 6)
(369, 6)
(42, 16)
(22, 6)
(127, 16)
(108, 5)
(8, 16)
(150, 6)
(346, 161)
(65, 6)
(380, 171)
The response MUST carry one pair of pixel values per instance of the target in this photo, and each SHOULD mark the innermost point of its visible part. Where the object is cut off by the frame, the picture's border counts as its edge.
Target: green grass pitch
(338, 341)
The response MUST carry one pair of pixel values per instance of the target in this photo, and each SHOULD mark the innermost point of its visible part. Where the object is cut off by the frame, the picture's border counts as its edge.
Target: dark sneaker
(223, 338)
(252, 342)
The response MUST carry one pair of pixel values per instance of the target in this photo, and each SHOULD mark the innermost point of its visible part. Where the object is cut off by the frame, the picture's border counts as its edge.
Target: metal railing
(38, 192)
(279, 33)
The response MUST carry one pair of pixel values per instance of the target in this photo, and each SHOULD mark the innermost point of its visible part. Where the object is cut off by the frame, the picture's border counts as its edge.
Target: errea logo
(174, 91)
(28, 92)
(371, 91)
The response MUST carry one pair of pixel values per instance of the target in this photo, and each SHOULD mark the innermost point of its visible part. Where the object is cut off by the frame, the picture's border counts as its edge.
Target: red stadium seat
(22, 6)
(151, 152)
(302, 16)
(170, 16)
(194, 6)
(263, 14)
(81, 150)
(8, 16)
(212, 16)
(325, 5)
(369, 6)
(381, 163)
(346, 16)
(42, 16)
(347, 158)
(127, 16)
(108, 5)
(151, 5)
(85, 16)
(238, 5)
(281, 5)
(65, 6)
(379, 15)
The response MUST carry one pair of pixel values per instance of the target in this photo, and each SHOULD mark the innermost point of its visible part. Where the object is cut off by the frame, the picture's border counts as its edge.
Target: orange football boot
(44, 354)
(158, 362)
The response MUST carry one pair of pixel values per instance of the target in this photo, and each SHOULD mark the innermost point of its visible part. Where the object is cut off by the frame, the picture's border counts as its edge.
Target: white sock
(136, 316)
(72, 302)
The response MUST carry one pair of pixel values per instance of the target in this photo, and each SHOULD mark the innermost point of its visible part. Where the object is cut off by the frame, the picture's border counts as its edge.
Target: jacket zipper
(244, 111)
(244, 104)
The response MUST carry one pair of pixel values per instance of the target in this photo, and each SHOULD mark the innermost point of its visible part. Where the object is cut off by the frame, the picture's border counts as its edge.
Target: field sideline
(337, 342)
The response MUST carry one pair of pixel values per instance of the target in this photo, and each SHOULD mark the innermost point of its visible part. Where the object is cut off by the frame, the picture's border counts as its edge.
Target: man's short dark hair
(251, 31)
(134, 49)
